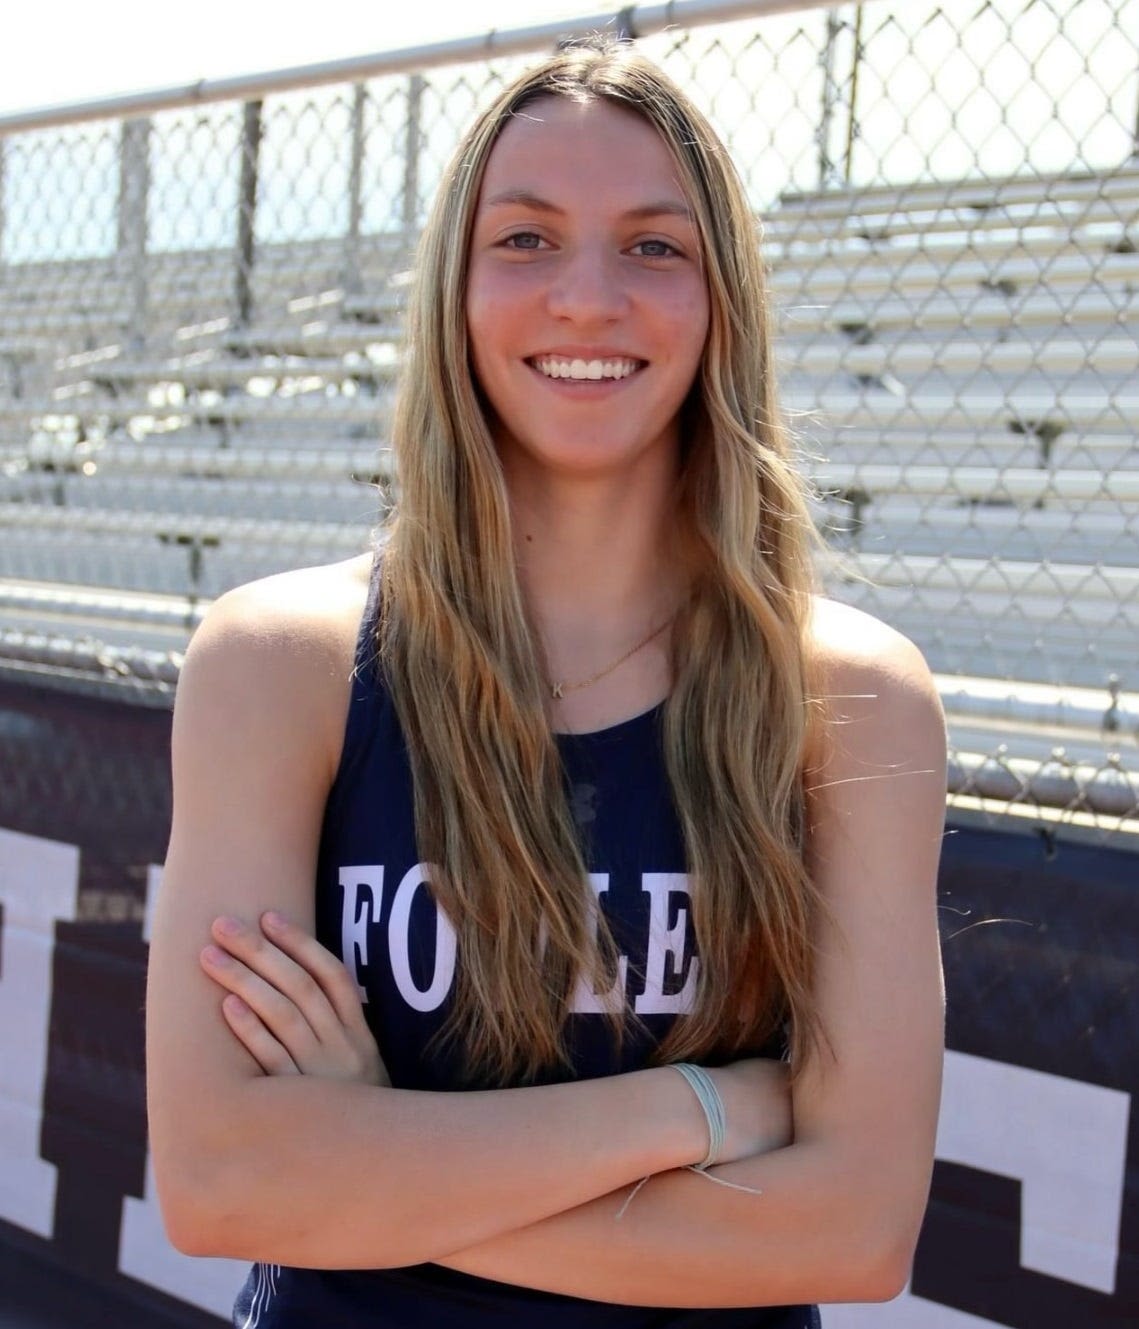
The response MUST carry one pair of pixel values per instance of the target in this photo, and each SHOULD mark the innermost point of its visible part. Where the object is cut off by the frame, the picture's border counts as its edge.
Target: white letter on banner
(399, 945)
(665, 943)
(585, 1000)
(39, 886)
(1064, 1140)
(144, 1252)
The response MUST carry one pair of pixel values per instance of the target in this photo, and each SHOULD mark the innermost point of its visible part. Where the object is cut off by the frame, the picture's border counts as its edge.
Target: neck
(600, 566)
(598, 561)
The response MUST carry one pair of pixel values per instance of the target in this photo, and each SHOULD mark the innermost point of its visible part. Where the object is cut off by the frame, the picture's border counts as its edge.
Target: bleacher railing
(200, 326)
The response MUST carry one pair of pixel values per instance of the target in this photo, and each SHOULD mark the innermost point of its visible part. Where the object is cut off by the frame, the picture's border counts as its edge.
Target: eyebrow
(523, 198)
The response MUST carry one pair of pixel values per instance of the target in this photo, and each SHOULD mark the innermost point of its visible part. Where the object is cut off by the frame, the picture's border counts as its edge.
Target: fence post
(852, 130)
(247, 210)
(412, 144)
(134, 196)
(830, 97)
(351, 276)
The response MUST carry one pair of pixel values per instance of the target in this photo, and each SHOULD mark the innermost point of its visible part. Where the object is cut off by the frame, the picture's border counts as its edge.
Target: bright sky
(60, 51)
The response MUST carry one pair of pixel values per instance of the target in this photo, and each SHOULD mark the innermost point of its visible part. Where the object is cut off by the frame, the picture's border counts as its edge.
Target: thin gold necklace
(558, 690)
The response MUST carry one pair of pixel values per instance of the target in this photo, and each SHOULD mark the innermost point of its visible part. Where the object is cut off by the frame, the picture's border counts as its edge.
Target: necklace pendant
(557, 689)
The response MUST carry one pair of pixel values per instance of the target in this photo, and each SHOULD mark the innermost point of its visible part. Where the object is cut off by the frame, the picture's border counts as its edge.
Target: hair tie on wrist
(712, 1105)
(708, 1096)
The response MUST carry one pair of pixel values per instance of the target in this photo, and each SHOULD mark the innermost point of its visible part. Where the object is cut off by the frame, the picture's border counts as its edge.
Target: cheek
(690, 336)
(493, 299)
(486, 378)
(482, 320)
(477, 307)
(689, 316)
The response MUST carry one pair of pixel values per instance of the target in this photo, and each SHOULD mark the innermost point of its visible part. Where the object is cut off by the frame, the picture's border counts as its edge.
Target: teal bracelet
(712, 1105)
(708, 1096)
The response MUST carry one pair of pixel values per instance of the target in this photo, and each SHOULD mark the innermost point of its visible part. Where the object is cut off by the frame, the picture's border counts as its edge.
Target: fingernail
(229, 927)
(213, 955)
(273, 920)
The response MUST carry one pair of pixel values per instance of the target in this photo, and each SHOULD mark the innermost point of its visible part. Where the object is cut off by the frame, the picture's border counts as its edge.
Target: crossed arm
(523, 1185)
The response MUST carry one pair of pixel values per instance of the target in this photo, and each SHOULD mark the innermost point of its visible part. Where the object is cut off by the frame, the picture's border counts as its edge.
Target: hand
(757, 1106)
(291, 1003)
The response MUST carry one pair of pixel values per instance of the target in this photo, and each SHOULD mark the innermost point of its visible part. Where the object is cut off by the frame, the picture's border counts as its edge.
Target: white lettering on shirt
(665, 953)
(363, 889)
(399, 927)
(585, 1000)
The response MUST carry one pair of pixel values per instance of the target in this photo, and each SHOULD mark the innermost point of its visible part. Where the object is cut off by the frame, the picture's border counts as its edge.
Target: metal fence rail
(200, 326)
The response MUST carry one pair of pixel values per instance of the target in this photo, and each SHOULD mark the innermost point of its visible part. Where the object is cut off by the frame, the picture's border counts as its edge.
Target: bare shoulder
(285, 642)
(875, 687)
(308, 609)
(848, 643)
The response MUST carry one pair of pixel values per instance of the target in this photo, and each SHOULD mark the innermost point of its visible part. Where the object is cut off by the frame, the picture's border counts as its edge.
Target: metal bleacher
(959, 363)
(962, 362)
(210, 451)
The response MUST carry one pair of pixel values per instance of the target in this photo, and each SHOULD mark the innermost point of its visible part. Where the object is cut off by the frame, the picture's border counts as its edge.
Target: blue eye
(527, 240)
(655, 249)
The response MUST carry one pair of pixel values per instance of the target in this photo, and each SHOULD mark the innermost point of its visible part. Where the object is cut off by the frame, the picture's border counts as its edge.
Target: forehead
(590, 153)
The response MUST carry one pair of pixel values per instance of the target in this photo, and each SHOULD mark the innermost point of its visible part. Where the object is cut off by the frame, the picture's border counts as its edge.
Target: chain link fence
(200, 328)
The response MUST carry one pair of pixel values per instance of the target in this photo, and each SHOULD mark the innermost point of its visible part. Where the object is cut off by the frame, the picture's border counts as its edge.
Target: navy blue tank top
(374, 910)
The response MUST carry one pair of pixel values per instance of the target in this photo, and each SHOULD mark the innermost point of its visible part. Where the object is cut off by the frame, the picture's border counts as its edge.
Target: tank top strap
(368, 694)
(367, 649)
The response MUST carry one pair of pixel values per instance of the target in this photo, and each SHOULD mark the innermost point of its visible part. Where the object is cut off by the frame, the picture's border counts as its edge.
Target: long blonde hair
(466, 675)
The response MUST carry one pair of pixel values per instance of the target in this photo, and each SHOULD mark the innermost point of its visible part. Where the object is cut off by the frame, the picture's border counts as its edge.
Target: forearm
(331, 1174)
(821, 1230)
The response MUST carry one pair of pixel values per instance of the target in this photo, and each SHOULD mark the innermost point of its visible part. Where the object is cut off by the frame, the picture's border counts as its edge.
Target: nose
(587, 286)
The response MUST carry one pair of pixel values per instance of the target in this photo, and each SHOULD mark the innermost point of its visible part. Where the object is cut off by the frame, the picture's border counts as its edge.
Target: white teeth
(558, 367)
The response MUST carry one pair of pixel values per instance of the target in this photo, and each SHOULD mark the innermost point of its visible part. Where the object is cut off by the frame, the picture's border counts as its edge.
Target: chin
(573, 458)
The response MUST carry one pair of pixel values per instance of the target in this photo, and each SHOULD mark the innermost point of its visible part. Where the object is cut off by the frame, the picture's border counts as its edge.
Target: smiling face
(586, 306)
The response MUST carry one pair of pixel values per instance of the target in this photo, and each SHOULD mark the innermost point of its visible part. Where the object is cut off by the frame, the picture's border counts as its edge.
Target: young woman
(615, 791)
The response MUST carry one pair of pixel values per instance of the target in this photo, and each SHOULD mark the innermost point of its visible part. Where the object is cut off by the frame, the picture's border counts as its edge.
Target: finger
(283, 1018)
(258, 1041)
(349, 1044)
(347, 1054)
(329, 973)
(280, 971)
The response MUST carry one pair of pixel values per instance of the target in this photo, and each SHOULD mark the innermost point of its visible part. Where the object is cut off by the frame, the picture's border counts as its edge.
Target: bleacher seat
(957, 359)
